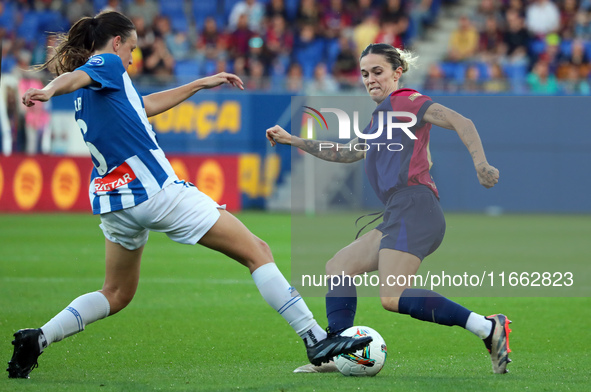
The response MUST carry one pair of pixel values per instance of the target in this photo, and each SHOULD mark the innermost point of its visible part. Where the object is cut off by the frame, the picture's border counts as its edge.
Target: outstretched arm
(63, 84)
(162, 101)
(329, 151)
(446, 118)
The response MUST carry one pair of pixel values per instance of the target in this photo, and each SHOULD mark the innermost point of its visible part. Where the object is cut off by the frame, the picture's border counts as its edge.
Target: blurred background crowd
(313, 46)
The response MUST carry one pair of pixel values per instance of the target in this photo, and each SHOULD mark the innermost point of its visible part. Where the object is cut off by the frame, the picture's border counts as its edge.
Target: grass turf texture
(198, 323)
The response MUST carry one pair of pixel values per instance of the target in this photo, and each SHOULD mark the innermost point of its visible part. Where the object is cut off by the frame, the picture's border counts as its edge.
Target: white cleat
(329, 367)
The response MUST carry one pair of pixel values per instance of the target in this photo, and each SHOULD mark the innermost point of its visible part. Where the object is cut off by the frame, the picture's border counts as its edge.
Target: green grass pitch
(198, 323)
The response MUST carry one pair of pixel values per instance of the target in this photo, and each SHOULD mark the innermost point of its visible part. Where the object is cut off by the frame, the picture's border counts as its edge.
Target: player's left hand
(222, 78)
(487, 175)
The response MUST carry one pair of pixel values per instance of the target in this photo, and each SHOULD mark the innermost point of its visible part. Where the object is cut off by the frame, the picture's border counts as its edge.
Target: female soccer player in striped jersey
(413, 224)
(134, 189)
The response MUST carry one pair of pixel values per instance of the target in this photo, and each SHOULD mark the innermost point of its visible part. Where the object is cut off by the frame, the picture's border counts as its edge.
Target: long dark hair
(396, 57)
(84, 37)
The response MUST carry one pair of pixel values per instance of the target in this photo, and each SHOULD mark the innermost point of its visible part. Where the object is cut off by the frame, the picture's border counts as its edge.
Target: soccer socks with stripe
(84, 310)
(341, 304)
(427, 305)
(287, 302)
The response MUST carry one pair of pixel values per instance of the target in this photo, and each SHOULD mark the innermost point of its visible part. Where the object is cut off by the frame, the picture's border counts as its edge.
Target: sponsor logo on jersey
(96, 60)
(414, 96)
(122, 175)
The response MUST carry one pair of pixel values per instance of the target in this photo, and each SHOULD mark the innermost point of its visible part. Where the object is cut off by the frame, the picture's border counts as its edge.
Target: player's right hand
(279, 135)
(34, 94)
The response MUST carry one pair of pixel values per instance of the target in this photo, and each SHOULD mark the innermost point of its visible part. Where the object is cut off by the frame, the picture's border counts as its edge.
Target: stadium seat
(172, 8)
(537, 47)
(566, 47)
(29, 27)
(187, 68)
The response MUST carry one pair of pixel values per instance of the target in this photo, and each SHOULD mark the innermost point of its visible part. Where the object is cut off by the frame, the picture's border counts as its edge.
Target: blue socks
(427, 305)
(341, 304)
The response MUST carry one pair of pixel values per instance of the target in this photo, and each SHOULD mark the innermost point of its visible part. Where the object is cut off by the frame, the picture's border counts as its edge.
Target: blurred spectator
(256, 76)
(577, 60)
(294, 82)
(568, 14)
(491, 38)
(36, 125)
(112, 5)
(516, 36)
(498, 81)
(366, 32)
(463, 42)
(279, 39)
(254, 11)
(77, 9)
(392, 9)
(360, 10)
(540, 81)
(346, 66)
(335, 19)
(486, 9)
(322, 82)
(238, 44)
(239, 67)
(158, 62)
(308, 13)
(145, 35)
(435, 80)
(583, 24)
(274, 8)
(391, 33)
(472, 81)
(421, 15)
(146, 9)
(542, 17)
(212, 42)
(573, 84)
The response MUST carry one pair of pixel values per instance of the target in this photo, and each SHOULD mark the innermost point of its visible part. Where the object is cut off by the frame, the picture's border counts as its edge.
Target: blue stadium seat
(187, 68)
(291, 7)
(515, 72)
(8, 17)
(537, 47)
(99, 4)
(179, 23)
(309, 55)
(332, 51)
(588, 48)
(204, 7)
(566, 47)
(29, 27)
(172, 8)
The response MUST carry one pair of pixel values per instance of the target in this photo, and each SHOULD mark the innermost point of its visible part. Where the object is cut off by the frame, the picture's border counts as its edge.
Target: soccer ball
(366, 362)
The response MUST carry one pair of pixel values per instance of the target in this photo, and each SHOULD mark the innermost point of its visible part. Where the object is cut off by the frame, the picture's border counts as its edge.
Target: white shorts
(180, 210)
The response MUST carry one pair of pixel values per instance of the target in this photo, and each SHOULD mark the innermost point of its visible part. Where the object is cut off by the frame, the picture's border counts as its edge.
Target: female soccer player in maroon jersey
(413, 225)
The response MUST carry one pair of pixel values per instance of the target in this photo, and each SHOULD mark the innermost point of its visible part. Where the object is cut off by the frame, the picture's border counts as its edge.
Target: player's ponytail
(396, 57)
(84, 37)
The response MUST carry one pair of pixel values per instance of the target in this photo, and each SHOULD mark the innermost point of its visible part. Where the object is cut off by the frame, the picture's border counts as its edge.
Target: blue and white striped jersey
(129, 166)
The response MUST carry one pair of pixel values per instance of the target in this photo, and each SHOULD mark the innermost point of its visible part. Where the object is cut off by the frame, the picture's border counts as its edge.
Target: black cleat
(497, 343)
(26, 351)
(334, 345)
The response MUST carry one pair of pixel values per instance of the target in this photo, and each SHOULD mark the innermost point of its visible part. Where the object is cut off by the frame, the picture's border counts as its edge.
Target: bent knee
(118, 298)
(390, 303)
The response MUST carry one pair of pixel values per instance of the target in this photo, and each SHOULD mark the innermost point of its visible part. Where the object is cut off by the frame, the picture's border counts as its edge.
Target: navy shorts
(413, 222)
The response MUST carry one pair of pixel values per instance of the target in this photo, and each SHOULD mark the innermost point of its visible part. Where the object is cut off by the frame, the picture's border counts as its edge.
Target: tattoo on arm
(438, 114)
(330, 151)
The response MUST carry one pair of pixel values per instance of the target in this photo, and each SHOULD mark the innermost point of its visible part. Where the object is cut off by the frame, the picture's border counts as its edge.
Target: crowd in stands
(539, 47)
(313, 46)
(288, 45)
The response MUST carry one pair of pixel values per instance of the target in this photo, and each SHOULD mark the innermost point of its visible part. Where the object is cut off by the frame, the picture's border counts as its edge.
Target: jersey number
(96, 154)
